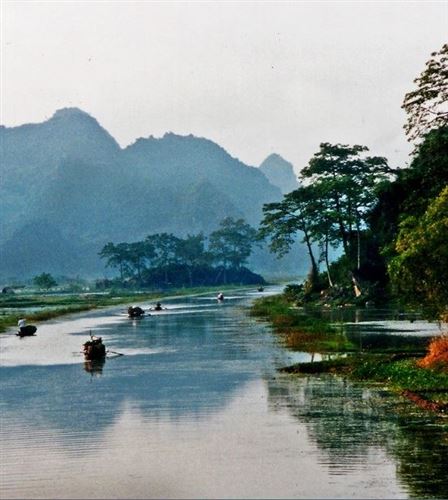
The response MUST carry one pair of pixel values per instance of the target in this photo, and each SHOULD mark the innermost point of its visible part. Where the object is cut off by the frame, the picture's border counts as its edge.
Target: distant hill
(280, 173)
(68, 188)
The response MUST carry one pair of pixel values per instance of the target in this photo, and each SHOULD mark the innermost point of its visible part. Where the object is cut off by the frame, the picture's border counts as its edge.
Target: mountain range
(68, 188)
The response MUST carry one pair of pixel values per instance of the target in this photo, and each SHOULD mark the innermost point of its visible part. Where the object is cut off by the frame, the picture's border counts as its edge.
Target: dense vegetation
(391, 225)
(165, 260)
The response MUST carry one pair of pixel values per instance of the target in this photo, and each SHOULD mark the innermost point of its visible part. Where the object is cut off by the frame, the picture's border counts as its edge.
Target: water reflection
(349, 423)
(94, 367)
(195, 408)
(174, 366)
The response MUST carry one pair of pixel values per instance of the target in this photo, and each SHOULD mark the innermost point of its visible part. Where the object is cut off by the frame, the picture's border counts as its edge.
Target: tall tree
(427, 105)
(45, 281)
(165, 250)
(347, 180)
(283, 220)
(139, 252)
(116, 256)
(231, 244)
(191, 253)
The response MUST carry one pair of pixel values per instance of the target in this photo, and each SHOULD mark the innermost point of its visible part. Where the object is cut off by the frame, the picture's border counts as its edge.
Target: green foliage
(282, 221)
(231, 244)
(331, 211)
(402, 374)
(293, 292)
(301, 329)
(347, 181)
(163, 258)
(420, 270)
(45, 281)
(426, 106)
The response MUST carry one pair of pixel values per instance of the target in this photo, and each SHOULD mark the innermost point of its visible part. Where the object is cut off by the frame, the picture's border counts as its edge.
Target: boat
(94, 349)
(135, 312)
(260, 289)
(220, 296)
(26, 331)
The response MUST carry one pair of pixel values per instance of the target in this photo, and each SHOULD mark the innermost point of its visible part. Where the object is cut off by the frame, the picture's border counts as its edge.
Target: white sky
(255, 77)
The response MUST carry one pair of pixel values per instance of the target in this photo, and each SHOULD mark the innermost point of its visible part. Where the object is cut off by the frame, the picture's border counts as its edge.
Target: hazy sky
(256, 77)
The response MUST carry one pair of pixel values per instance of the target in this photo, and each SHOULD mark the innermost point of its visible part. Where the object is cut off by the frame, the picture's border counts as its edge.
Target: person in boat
(22, 325)
(135, 311)
(94, 348)
(220, 296)
(24, 329)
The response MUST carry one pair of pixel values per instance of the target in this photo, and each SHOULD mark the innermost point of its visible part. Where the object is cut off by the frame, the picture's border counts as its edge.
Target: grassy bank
(50, 306)
(423, 380)
(301, 328)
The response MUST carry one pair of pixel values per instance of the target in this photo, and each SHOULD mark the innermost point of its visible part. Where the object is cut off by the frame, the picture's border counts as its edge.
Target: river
(195, 408)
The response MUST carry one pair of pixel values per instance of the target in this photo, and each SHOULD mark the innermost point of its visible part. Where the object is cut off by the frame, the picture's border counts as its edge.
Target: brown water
(196, 409)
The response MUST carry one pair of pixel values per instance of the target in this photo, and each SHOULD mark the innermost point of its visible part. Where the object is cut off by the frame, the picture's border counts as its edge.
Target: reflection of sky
(174, 364)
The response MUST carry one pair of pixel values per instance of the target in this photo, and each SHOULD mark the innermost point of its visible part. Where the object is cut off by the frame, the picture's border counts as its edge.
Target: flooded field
(195, 408)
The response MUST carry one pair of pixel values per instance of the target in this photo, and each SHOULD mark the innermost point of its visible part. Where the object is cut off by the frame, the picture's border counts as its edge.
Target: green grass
(301, 329)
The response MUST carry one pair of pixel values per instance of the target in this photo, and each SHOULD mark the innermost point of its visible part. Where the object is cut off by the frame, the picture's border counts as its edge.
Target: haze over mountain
(68, 188)
(280, 173)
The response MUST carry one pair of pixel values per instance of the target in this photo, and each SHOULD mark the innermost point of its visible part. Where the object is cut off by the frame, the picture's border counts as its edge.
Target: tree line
(391, 225)
(165, 259)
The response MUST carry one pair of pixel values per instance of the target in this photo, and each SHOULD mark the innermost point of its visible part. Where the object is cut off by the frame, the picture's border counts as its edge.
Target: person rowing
(157, 307)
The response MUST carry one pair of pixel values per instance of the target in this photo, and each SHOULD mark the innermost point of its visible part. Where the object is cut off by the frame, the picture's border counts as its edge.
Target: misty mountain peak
(71, 113)
(280, 173)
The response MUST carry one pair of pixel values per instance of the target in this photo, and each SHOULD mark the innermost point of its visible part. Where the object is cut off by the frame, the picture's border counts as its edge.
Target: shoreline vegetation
(56, 305)
(416, 371)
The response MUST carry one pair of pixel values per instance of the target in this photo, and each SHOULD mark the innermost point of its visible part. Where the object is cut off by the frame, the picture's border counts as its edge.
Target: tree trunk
(358, 242)
(310, 253)
(327, 264)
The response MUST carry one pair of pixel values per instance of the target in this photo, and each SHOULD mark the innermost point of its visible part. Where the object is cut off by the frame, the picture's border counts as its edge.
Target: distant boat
(135, 312)
(26, 331)
(220, 296)
(260, 289)
(94, 349)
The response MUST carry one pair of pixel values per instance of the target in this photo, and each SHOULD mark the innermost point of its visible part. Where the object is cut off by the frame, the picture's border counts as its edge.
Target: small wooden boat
(94, 349)
(135, 312)
(26, 331)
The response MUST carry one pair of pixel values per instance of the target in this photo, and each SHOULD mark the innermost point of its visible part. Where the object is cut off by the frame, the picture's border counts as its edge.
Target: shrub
(437, 356)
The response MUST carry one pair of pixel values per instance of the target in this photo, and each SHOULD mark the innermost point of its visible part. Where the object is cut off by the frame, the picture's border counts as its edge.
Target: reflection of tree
(340, 418)
(347, 422)
(422, 455)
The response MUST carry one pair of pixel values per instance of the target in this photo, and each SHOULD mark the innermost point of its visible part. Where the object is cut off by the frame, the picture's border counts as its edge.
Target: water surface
(196, 409)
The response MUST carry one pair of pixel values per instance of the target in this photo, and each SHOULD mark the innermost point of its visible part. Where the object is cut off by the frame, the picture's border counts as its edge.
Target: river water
(196, 409)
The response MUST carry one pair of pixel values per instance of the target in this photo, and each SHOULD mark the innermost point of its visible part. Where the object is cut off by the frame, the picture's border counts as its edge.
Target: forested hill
(67, 188)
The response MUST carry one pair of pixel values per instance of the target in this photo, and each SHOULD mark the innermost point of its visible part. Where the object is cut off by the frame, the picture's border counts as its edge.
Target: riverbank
(39, 307)
(401, 368)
